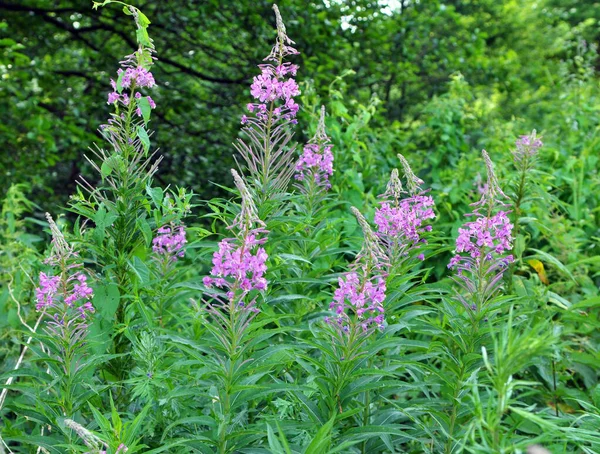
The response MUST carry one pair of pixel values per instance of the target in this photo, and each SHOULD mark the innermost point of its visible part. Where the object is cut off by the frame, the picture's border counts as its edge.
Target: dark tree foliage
(56, 60)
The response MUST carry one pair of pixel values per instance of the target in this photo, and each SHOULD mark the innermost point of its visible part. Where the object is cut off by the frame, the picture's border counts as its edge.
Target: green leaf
(274, 443)
(106, 300)
(114, 162)
(103, 423)
(144, 106)
(320, 444)
(593, 302)
(143, 135)
(120, 82)
(196, 420)
(143, 19)
(144, 227)
(132, 429)
(47, 442)
(105, 169)
(143, 38)
(156, 194)
(141, 270)
(283, 440)
(116, 419)
(311, 408)
(99, 4)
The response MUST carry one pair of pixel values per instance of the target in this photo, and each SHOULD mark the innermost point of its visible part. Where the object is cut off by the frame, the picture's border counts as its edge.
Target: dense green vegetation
(500, 357)
(524, 63)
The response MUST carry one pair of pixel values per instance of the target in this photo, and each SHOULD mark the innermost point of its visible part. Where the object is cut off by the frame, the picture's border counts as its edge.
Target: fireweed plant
(267, 127)
(127, 212)
(310, 326)
(481, 248)
(523, 189)
(479, 263)
(63, 296)
(358, 313)
(239, 268)
(315, 165)
(402, 216)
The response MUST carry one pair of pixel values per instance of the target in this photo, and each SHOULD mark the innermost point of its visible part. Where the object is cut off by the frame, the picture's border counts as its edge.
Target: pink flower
(405, 221)
(239, 265)
(479, 262)
(113, 97)
(493, 235)
(317, 161)
(48, 295)
(402, 216)
(46, 292)
(170, 242)
(361, 296)
(273, 85)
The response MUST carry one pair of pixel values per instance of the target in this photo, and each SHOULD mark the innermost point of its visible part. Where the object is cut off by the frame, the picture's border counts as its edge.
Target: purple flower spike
(132, 76)
(361, 296)
(65, 297)
(266, 143)
(527, 148)
(316, 160)
(402, 216)
(358, 300)
(479, 262)
(239, 266)
(170, 242)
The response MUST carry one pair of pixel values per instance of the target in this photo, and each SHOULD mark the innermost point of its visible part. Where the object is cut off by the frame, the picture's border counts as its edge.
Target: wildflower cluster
(401, 216)
(493, 233)
(64, 302)
(64, 297)
(358, 300)
(527, 147)
(239, 265)
(365, 297)
(405, 220)
(266, 144)
(132, 76)
(48, 295)
(316, 161)
(274, 89)
(481, 244)
(170, 242)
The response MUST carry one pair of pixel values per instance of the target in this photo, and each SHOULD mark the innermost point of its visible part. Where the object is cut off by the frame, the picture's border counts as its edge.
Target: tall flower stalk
(64, 298)
(120, 207)
(402, 216)
(524, 156)
(239, 268)
(357, 302)
(481, 247)
(358, 313)
(126, 167)
(168, 246)
(267, 127)
(315, 165)
(479, 263)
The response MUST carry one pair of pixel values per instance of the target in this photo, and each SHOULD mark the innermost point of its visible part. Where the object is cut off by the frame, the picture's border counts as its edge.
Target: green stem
(366, 413)
(454, 414)
(519, 195)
